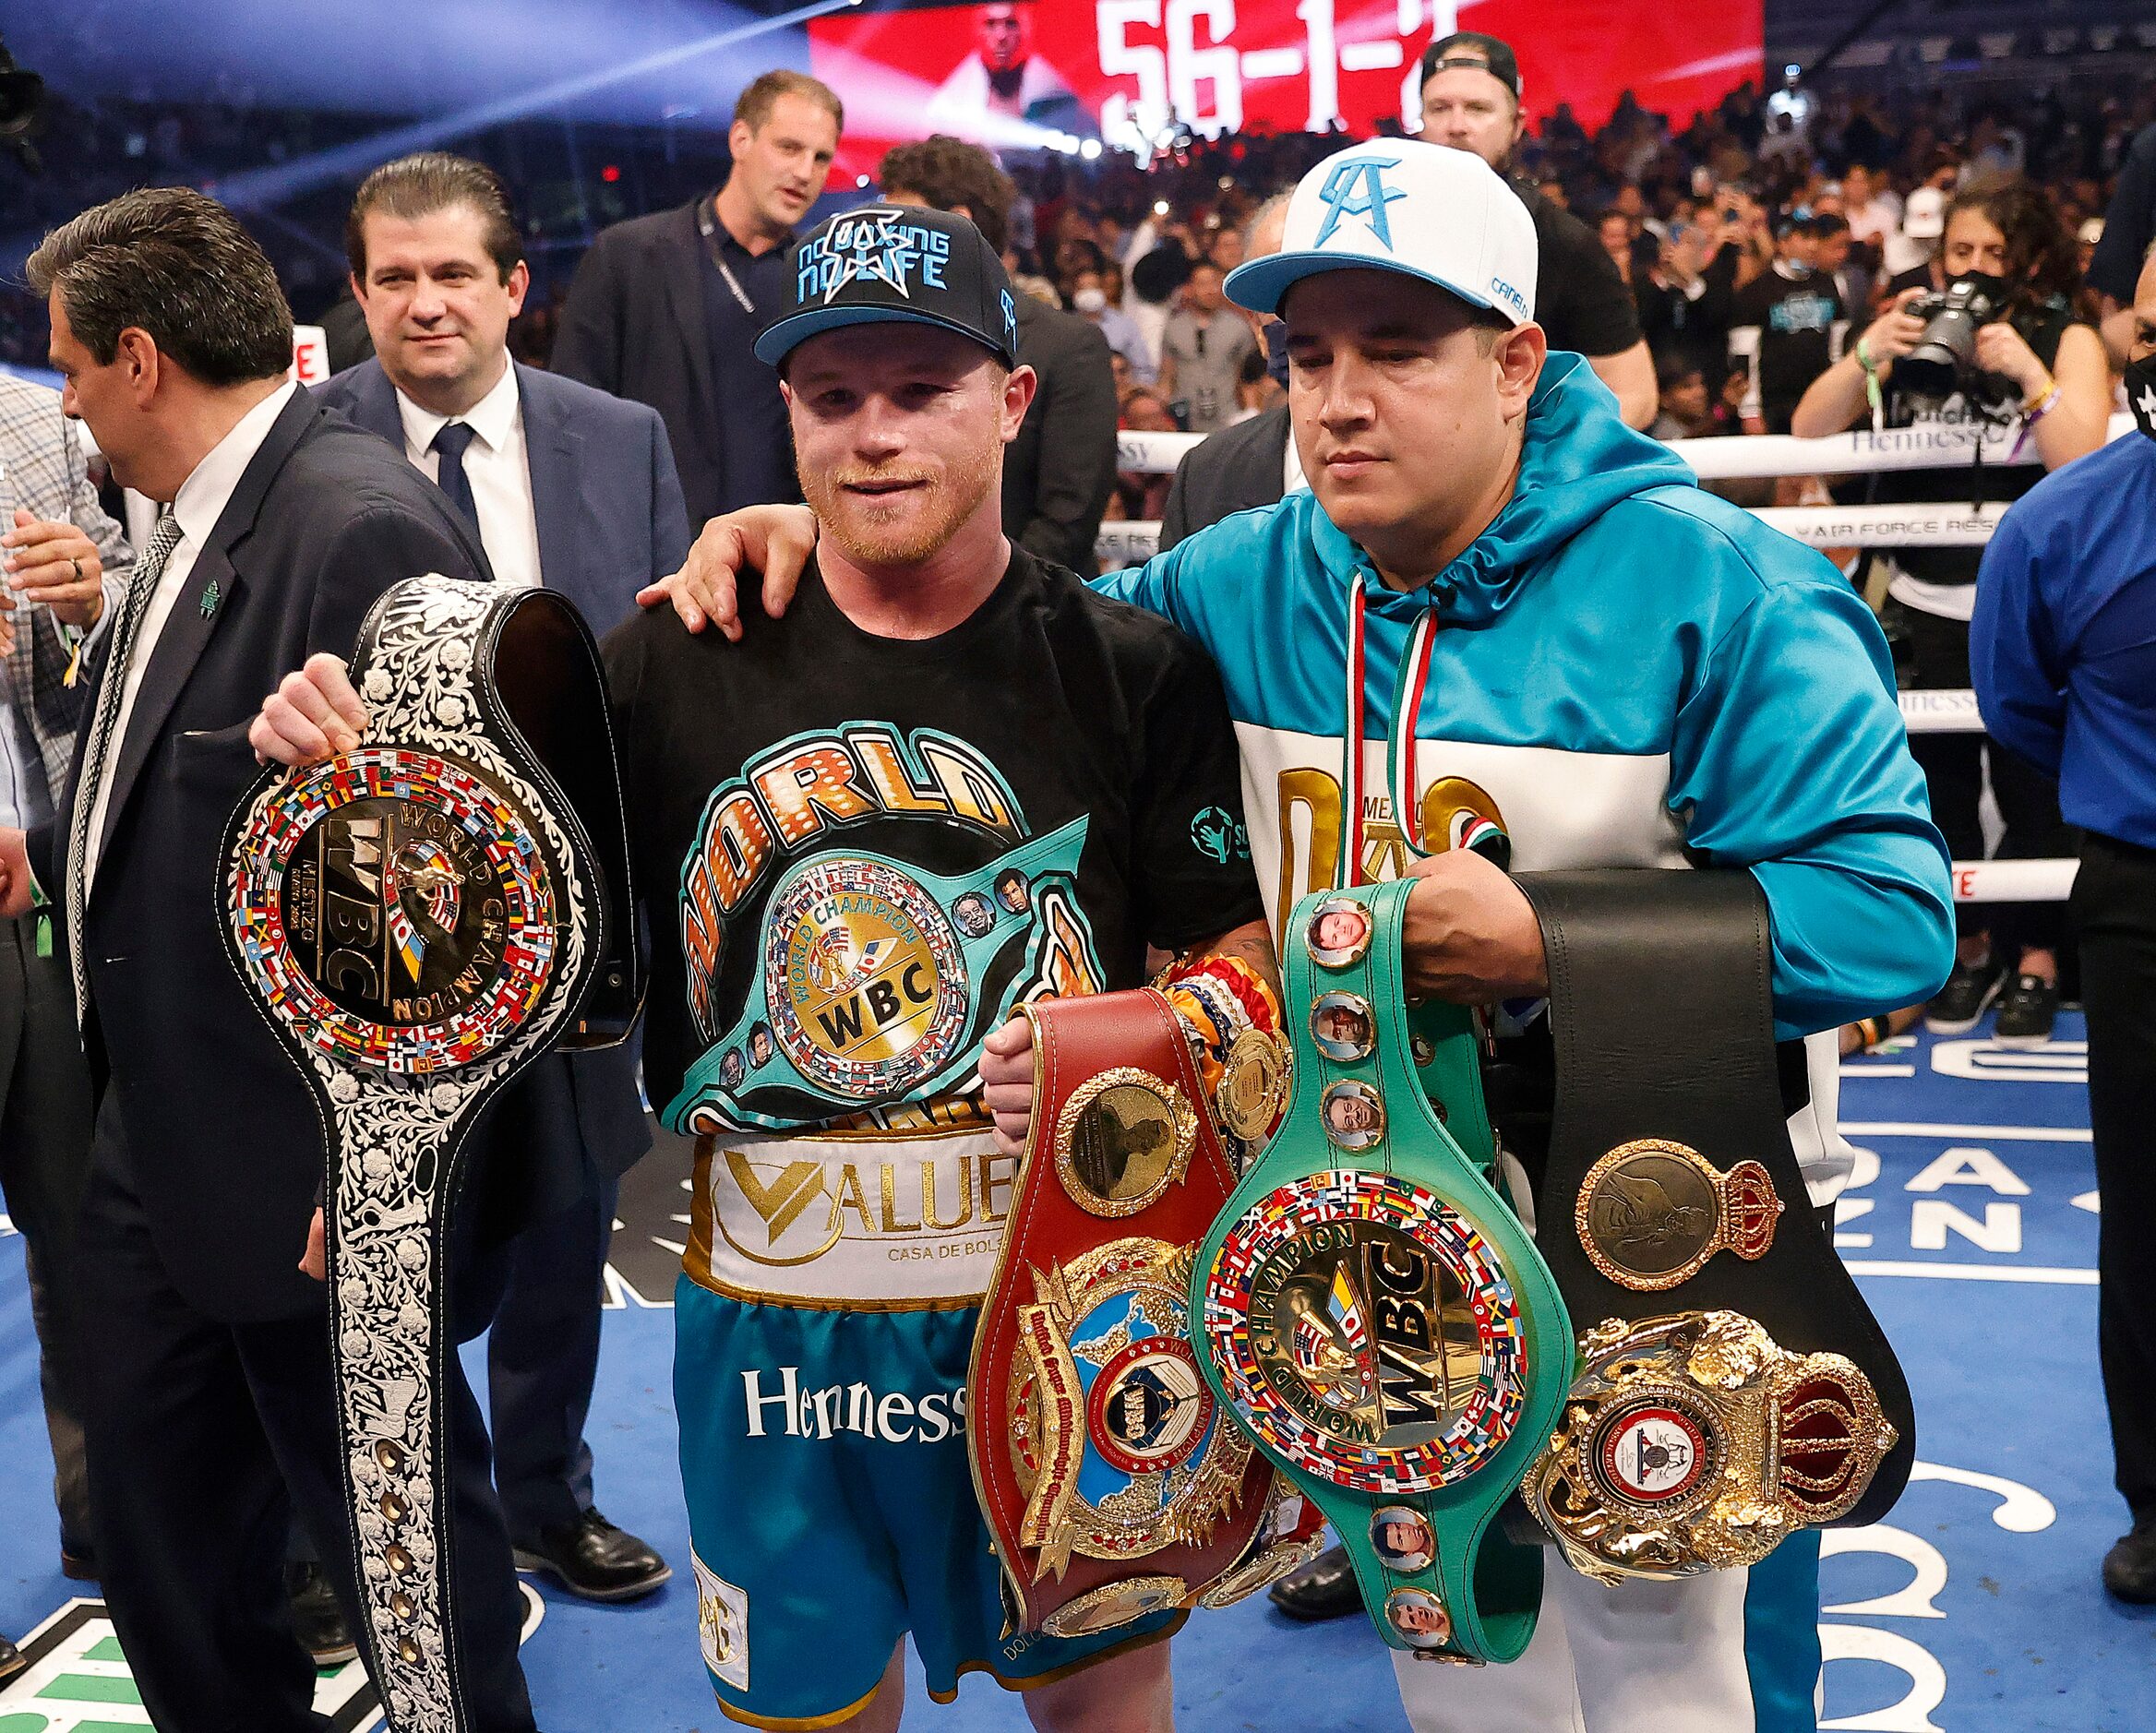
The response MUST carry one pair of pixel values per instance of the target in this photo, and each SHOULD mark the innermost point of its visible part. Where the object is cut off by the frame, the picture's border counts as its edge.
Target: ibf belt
(1374, 1312)
(1736, 1387)
(875, 982)
(1114, 1486)
(423, 918)
(850, 1223)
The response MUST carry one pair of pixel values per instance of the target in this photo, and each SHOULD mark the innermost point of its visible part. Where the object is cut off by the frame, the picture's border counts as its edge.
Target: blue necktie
(452, 442)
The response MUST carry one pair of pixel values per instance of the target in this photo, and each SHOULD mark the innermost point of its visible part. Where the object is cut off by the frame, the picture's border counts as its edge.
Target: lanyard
(707, 226)
(1402, 778)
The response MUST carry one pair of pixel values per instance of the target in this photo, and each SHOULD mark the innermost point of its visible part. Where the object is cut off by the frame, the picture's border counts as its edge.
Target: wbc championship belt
(423, 916)
(1735, 1386)
(1112, 1483)
(1371, 1309)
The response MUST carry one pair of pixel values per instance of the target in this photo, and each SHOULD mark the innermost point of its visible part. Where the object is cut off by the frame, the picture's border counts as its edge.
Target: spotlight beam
(255, 188)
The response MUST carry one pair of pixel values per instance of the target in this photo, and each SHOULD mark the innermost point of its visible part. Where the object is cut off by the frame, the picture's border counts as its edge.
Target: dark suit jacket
(610, 521)
(1234, 470)
(634, 325)
(1060, 470)
(222, 1137)
(604, 487)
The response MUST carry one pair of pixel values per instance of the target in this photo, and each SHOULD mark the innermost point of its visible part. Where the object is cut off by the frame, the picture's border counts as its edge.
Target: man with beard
(1622, 671)
(943, 717)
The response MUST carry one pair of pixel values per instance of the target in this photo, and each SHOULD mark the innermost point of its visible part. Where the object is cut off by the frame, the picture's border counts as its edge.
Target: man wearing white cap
(1621, 671)
(1913, 249)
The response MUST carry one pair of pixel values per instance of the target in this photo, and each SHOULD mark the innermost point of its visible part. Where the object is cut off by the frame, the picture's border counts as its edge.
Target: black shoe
(595, 1560)
(2129, 1568)
(11, 1661)
(318, 1619)
(1961, 1003)
(1324, 1588)
(2027, 1010)
(78, 1564)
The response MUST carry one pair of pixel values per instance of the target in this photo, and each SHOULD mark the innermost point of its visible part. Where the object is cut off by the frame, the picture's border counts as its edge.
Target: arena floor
(1977, 1610)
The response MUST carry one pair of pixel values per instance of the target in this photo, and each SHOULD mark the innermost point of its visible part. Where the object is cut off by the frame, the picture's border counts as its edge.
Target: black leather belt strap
(1670, 1185)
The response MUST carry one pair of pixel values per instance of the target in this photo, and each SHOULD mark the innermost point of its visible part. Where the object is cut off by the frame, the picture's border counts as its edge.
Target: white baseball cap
(1400, 204)
(1923, 218)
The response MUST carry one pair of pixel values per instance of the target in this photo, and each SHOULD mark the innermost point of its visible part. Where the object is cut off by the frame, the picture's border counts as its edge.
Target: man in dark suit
(576, 490)
(1060, 470)
(665, 309)
(1237, 469)
(212, 1394)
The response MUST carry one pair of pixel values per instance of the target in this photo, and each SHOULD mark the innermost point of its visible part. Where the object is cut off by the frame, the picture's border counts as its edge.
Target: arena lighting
(260, 188)
(1089, 149)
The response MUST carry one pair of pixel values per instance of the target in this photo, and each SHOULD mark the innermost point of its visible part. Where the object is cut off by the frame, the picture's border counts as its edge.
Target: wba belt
(1735, 1387)
(1113, 1485)
(1375, 1314)
(423, 918)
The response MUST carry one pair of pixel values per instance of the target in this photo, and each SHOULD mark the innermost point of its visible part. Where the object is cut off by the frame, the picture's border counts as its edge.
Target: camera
(1944, 360)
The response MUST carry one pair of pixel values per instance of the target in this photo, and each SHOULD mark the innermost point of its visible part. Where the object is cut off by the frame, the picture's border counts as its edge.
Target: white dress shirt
(495, 465)
(198, 506)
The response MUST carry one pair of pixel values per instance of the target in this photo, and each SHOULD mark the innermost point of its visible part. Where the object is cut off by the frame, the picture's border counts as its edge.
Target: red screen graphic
(1032, 74)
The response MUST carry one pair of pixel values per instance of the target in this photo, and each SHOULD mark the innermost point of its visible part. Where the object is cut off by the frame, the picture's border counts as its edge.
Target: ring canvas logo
(76, 1680)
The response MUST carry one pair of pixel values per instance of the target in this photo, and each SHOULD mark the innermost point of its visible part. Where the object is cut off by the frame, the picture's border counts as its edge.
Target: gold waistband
(849, 1222)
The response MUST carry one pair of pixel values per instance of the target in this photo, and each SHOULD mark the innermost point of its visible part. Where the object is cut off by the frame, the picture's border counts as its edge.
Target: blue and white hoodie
(1630, 672)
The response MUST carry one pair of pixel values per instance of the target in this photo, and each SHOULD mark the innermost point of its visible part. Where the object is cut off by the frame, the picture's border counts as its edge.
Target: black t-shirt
(1794, 319)
(1580, 301)
(857, 853)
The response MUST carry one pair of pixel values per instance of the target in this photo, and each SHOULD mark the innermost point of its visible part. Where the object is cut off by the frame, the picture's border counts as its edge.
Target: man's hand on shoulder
(774, 540)
(1471, 936)
(313, 714)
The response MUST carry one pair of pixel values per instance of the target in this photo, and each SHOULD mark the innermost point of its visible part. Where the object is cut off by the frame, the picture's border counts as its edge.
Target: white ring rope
(1134, 541)
(1739, 458)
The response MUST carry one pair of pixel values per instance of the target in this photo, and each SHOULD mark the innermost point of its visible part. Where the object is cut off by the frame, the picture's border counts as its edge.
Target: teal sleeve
(1789, 758)
(1151, 586)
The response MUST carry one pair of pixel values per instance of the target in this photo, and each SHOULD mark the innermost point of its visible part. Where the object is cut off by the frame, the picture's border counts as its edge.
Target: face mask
(2142, 394)
(1277, 351)
(1090, 300)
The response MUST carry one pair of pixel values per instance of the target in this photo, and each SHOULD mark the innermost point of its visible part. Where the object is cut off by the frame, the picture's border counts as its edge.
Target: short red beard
(853, 522)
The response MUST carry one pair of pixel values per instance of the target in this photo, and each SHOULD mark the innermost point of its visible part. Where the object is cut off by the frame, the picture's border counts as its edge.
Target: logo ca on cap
(1399, 204)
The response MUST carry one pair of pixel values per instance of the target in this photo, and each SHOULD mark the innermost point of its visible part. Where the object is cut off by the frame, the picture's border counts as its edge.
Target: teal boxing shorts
(832, 1509)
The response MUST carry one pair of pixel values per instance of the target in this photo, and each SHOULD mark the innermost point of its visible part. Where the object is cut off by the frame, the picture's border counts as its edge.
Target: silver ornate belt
(424, 917)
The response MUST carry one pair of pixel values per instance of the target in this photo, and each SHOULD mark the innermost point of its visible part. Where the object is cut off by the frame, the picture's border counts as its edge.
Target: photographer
(2000, 349)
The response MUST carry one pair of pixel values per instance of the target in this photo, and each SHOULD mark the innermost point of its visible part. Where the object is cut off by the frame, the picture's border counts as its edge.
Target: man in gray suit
(65, 562)
(574, 489)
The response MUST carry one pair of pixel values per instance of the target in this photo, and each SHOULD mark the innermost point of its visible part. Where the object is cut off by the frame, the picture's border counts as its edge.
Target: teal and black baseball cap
(897, 264)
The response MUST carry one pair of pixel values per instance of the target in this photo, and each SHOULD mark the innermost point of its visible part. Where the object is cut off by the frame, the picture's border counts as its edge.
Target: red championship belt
(1114, 1485)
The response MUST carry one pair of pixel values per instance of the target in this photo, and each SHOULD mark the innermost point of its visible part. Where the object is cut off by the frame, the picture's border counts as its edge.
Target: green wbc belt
(1373, 1312)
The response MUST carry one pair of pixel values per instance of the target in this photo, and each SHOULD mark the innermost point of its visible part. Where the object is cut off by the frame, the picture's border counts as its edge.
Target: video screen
(1055, 74)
